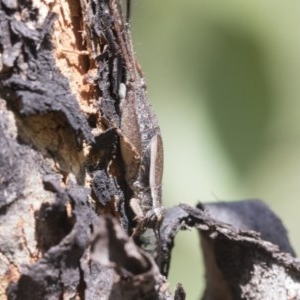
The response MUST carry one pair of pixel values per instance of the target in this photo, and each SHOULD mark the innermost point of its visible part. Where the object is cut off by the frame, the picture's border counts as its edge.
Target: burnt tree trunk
(65, 219)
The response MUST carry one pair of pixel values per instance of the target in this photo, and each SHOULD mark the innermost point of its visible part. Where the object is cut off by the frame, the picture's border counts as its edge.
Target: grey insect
(142, 152)
(140, 137)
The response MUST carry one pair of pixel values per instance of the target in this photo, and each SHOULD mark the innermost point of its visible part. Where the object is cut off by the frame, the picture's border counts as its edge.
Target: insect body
(142, 152)
(140, 138)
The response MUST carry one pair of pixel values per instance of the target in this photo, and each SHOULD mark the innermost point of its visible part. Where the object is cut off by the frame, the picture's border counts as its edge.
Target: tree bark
(65, 218)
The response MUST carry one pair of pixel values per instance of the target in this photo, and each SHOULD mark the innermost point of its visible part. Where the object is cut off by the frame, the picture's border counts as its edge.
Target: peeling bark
(239, 263)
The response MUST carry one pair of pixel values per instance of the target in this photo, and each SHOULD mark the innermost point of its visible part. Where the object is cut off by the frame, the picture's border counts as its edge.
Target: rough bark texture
(239, 263)
(65, 220)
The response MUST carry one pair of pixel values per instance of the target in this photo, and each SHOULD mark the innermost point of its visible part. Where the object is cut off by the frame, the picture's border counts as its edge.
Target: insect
(141, 142)
(142, 152)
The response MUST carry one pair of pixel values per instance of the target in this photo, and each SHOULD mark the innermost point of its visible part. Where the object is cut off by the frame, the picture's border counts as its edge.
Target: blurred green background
(224, 79)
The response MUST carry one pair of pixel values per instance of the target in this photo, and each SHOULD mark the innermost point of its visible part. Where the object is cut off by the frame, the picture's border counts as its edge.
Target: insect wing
(156, 169)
